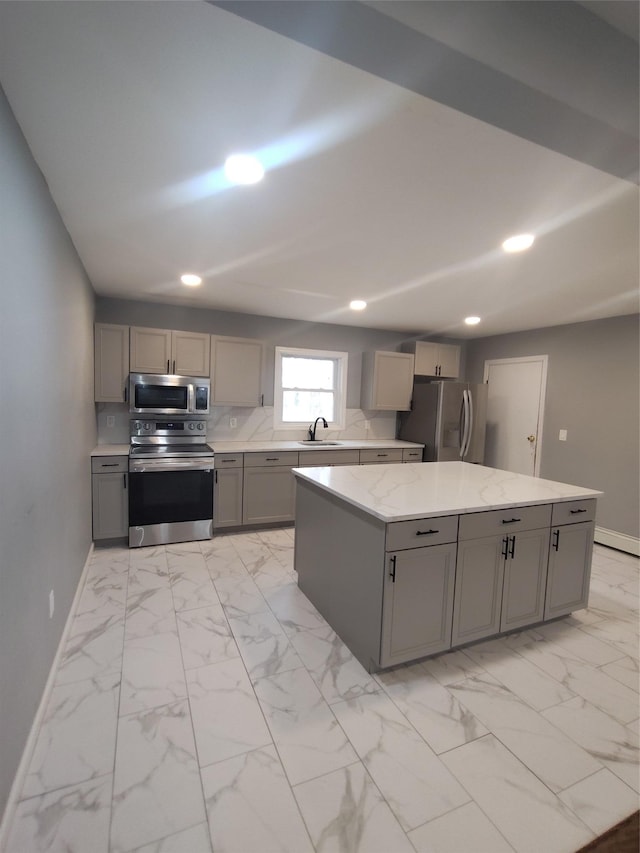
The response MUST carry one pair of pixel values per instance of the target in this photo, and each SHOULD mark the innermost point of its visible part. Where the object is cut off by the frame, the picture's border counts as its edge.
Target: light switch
(563, 435)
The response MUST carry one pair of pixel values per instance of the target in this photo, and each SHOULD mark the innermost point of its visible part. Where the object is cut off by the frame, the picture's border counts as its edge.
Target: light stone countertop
(428, 489)
(270, 446)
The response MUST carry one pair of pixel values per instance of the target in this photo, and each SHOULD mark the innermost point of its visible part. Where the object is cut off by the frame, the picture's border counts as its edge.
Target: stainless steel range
(170, 481)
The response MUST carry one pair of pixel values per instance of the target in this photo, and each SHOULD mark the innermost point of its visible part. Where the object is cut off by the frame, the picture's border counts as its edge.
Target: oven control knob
(191, 426)
(147, 426)
(200, 426)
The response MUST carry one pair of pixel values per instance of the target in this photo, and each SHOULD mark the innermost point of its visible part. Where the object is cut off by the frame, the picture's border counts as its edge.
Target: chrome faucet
(312, 429)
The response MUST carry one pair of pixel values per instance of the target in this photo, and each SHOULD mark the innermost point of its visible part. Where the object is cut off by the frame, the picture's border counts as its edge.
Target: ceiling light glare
(243, 169)
(472, 321)
(518, 243)
(357, 305)
(190, 279)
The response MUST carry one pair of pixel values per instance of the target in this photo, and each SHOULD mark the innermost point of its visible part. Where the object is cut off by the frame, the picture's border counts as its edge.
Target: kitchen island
(406, 561)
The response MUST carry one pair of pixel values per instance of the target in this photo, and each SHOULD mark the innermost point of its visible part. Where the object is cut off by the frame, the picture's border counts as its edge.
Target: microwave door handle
(191, 402)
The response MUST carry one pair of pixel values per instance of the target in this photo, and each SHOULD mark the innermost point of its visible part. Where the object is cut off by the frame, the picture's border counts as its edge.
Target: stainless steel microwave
(154, 394)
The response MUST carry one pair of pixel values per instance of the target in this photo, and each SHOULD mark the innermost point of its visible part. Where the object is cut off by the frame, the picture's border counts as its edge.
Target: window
(309, 384)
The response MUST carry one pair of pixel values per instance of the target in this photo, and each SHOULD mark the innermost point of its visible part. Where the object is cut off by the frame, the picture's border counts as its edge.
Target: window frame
(339, 391)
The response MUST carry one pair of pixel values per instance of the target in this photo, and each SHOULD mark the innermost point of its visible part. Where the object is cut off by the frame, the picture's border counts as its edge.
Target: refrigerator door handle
(465, 437)
(462, 423)
(470, 421)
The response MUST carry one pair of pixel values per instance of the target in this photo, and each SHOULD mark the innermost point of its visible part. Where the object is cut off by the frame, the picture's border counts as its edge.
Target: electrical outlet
(233, 423)
(111, 421)
(562, 436)
(52, 604)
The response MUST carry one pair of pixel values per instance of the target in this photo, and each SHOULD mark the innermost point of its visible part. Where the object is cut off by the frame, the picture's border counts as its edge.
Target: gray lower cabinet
(570, 555)
(109, 506)
(500, 579)
(227, 490)
(268, 487)
(417, 603)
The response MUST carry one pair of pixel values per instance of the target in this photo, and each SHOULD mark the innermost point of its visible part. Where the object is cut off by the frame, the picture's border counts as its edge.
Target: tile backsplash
(251, 425)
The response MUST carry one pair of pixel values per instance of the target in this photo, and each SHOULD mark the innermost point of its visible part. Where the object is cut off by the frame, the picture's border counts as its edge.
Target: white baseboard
(619, 541)
(27, 752)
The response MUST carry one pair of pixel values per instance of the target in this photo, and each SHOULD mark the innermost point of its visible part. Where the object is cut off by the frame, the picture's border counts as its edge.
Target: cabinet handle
(426, 532)
(382, 455)
(575, 511)
(124, 478)
(174, 365)
(512, 550)
(215, 476)
(556, 536)
(392, 573)
(510, 520)
(125, 393)
(505, 547)
(167, 365)
(109, 465)
(262, 399)
(272, 459)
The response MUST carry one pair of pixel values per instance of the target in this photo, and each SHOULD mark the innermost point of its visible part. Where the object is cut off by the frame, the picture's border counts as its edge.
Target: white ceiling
(374, 191)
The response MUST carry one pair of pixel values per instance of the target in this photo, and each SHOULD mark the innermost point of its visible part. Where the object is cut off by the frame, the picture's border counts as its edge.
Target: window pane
(308, 373)
(306, 406)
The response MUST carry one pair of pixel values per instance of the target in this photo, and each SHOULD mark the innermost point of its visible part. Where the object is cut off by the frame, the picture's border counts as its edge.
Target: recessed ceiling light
(472, 321)
(190, 280)
(243, 169)
(518, 243)
(357, 304)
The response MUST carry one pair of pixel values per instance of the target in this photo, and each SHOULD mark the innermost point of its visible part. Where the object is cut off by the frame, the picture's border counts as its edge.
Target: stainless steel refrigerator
(449, 418)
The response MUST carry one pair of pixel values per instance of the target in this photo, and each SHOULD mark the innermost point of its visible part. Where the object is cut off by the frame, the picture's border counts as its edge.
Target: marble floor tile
(293, 609)
(263, 644)
(345, 813)
(156, 788)
(223, 561)
(251, 807)
(545, 750)
(240, 596)
(68, 820)
(522, 677)
(621, 635)
(412, 779)
(227, 719)
(306, 734)
(581, 644)
(608, 740)
(192, 587)
(77, 739)
(205, 636)
(625, 671)
(464, 830)
(152, 672)
(150, 611)
(521, 807)
(334, 670)
(582, 679)
(93, 648)
(601, 800)
(452, 666)
(195, 839)
(104, 594)
(433, 710)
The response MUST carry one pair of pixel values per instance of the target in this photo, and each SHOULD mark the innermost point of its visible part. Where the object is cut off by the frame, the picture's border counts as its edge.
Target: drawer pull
(109, 465)
(426, 532)
(510, 520)
(575, 511)
(272, 459)
(382, 455)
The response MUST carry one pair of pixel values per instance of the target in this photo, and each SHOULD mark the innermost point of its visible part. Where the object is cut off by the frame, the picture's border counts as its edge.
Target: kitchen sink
(320, 442)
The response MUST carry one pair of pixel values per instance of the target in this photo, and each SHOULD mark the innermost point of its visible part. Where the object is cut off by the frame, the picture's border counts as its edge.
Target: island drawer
(109, 464)
(264, 460)
(412, 454)
(228, 460)
(381, 455)
(475, 525)
(420, 532)
(571, 512)
(329, 457)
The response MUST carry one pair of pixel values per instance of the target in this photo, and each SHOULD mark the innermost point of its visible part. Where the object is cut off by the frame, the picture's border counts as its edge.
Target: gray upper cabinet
(167, 351)
(433, 359)
(236, 371)
(111, 362)
(387, 381)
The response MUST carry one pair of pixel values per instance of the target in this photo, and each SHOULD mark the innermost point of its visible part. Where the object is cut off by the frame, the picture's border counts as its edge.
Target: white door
(515, 409)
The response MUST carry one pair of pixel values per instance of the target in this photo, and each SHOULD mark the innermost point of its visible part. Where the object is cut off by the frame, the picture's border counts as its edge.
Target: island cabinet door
(478, 589)
(418, 603)
(569, 568)
(525, 578)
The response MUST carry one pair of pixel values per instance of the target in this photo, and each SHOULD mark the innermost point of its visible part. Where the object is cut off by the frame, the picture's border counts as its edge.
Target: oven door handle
(149, 465)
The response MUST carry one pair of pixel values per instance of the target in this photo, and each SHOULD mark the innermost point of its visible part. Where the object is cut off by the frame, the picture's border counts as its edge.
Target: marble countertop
(270, 446)
(342, 444)
(423, 490)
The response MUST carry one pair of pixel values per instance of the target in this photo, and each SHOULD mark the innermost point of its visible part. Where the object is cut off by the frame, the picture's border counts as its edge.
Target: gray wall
(593, 385)
(275, 331)
(47, 430)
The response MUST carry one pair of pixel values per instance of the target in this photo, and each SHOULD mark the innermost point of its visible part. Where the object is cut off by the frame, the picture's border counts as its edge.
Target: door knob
(531, 438)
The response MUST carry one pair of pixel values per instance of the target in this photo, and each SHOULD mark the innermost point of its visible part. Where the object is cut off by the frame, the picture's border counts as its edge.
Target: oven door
(170, 501)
